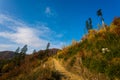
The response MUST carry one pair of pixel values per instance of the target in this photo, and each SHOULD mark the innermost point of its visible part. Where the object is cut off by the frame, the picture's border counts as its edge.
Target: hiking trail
(68, 75)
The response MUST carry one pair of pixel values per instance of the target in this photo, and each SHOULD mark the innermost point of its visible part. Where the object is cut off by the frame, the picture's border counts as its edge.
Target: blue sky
(37, 22)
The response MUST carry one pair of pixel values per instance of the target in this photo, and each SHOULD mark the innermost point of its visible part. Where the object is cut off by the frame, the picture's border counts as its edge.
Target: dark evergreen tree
(23, 51)
(16, 59)
(48, 45)
(89, 24)
(17, 51)
(34, 51)
(99, 14)
(47, 49)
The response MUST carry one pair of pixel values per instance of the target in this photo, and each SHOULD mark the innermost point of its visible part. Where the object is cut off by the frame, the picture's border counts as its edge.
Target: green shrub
(56, 75)
(98, 65)
(72, 61)
(86, 61)
(113, 71)
(60, 56)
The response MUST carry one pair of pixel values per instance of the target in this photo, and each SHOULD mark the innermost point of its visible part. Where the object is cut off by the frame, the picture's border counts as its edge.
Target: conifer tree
(17, 58)
(89, 24)
(17, 50)
(47, 47)
(23, 51)
(34, 51)
(99, 14)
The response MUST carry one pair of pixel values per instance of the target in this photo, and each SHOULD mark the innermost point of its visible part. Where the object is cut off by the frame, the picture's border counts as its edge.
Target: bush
(7, 67)
(60, 56)
(72, 61)
(98, 65)
(86, 61)
(56, 75)
(113, 71)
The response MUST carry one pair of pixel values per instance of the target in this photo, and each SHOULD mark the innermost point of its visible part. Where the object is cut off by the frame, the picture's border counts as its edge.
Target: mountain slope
(30, 68)
(97, 55)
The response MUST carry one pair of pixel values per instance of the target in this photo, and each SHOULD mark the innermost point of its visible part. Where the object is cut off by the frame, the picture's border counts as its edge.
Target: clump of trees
(102, 54)
(7, 65)
(20, 54)
(88, 22)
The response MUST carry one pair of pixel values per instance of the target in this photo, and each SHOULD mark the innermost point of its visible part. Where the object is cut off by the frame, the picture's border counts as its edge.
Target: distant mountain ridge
(10, 54)
(6, 54)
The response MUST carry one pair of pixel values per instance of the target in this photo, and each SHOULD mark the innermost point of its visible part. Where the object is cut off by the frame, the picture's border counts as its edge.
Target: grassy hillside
(97, 55)
(37, 66)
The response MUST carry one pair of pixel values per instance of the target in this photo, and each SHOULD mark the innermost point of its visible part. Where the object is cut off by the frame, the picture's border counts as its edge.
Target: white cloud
(21, 33)
(24, 35)
(5, 46)
(9, 22)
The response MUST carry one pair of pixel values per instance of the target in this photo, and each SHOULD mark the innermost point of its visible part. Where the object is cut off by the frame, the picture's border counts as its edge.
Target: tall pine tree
(23, 51)
(17, 51)
(99, 14)
(47, 49)
(89, 24)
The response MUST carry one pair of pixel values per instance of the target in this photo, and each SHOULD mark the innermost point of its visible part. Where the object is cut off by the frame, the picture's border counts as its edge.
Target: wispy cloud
(24, 35)
(49, 12)
(21, 33)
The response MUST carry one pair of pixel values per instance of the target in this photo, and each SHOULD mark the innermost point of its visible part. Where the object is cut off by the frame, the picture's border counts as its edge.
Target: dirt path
(68, 75)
